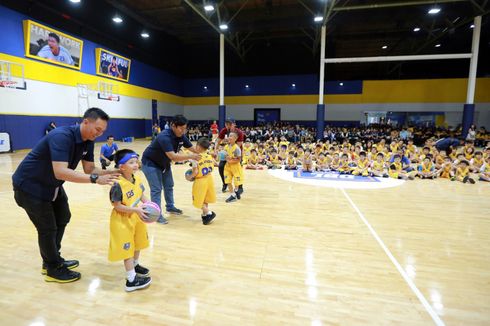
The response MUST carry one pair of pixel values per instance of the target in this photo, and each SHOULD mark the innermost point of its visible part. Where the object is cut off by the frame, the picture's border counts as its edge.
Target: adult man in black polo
(157, 159)
(38, 186)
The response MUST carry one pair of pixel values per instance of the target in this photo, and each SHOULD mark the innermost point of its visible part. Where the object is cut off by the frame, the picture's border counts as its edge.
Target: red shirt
(225, 132)
(214, 128)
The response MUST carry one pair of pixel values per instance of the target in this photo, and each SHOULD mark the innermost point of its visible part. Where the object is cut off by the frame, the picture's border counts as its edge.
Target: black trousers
(221, 169)
(104, 164)
(50, 219)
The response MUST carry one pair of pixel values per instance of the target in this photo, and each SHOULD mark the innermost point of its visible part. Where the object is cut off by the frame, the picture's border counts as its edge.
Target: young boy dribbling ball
(128, 233)
(203, 192)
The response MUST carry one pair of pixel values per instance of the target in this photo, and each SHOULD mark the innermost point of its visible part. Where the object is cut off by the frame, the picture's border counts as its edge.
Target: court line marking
(435, 317)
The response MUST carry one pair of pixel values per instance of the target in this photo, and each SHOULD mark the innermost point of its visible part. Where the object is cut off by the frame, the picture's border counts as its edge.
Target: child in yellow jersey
(469, 152)
(233, 168)
(253, 161)
(290, 163)
(396, 169)
(322, 163)
(128, 231)
(299, 155)
(463, 173)
(307, 162)
(344, 167)
(485, 171)
(362, 167)
(477, 162)
(203, 192)
(446, 169)
(283, 154)
(273, 160)
(247, 148)
(426, 170)
(378, 167)
(335, 164)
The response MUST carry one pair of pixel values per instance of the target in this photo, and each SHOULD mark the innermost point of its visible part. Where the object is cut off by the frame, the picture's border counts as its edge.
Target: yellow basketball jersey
(462, 172)
(363, 164)
(378, 166)
(131, 192)
(427, 168)
(230, 150)
(204, 166)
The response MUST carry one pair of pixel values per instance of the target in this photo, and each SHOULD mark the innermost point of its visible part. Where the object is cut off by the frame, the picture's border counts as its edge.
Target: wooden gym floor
(286, 254)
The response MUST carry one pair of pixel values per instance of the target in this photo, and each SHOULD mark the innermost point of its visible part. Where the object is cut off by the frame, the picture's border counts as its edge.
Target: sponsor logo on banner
(4, 142)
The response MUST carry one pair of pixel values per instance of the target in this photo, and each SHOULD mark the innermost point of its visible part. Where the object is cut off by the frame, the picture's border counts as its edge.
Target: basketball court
(297, 248)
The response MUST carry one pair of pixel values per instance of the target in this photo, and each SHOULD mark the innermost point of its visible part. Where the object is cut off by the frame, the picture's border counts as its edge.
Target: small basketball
(152, 211)
(188, 175)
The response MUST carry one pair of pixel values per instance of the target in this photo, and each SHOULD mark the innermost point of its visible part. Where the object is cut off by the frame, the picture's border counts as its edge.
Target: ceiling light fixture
(117, 19)
(384, 47)
(223, 27)
(416, 29)
(75, 1)
(209, 7)
(434, 11)
(318, 19)
(472, 26)
(437, 45)
(145, 35)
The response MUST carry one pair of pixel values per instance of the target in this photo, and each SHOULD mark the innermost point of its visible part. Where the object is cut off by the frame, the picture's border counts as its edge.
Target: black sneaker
(237, 194)
(231, 199)
(224, 188)
(143, 271)
(471, 180)
(139, 282)
(208, 218)
(70, 264)
(61, 275)
(162, 220)
(174, 210)
(465, 179)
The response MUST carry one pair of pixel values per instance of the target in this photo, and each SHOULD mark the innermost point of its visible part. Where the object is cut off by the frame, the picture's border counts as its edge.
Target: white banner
(4, 142)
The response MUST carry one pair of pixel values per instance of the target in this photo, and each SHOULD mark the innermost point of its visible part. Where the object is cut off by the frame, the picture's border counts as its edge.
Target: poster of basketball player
(112, 65)
(47, 44)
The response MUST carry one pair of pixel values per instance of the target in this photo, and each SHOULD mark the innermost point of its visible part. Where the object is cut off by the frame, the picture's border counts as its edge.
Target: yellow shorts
(234, 173)
(203, 191)
(128, 234)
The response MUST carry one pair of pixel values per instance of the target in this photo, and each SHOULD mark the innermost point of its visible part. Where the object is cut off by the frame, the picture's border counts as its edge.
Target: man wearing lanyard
(157, 159)
(38, 186)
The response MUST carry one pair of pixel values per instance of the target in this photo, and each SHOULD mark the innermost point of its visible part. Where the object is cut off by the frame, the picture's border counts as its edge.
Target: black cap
(230, 120)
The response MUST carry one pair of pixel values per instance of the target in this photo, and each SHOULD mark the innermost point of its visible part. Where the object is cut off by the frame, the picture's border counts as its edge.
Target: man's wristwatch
(94, 177)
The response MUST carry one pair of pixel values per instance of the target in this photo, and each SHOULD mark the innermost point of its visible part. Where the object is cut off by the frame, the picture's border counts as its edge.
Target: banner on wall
(47, 44)
(112, 65)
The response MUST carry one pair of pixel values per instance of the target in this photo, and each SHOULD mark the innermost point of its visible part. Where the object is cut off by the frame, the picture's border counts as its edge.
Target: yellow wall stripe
(374, 91)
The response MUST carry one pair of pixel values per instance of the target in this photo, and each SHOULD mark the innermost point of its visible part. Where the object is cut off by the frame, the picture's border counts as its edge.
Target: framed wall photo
(47, 44)
(112, 65)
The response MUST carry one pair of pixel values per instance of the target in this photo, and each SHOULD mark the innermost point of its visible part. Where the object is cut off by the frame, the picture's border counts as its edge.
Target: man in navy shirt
(107, 152)
(157, 159)
(38, 186)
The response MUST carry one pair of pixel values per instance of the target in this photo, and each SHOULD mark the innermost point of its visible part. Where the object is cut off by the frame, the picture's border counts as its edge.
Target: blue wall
(268, 85)
(16, 126)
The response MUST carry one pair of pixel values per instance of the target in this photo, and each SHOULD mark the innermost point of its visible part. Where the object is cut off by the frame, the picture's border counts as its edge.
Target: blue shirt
(445, 143)
(107, 151)
(166, 141)
(404, 160)
(35, 174)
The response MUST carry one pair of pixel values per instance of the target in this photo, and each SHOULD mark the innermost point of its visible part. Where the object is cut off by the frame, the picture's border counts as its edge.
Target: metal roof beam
(395, 4)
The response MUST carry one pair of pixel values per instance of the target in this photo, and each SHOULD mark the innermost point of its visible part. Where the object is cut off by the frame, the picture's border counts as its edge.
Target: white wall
(340, 112)
(169, 109)
(43, 98)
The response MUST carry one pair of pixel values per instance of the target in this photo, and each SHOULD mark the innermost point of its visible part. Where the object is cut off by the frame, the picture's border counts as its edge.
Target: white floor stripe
(435, 317)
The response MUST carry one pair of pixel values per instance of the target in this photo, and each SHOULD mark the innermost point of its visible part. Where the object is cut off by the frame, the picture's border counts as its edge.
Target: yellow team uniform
(253, 160)
(478, 162)
(275, 160)
(128, 232)
(362, 167)
(246, 153)
(461, 173)
(378, 167)
(290, 161)
(322, 164)
(233, 171)
(394, 173)
(203, 187)
(446, 171)
(344, 166)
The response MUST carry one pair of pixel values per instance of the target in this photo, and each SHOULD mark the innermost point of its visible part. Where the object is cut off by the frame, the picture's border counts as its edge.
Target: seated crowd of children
(396, 159)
